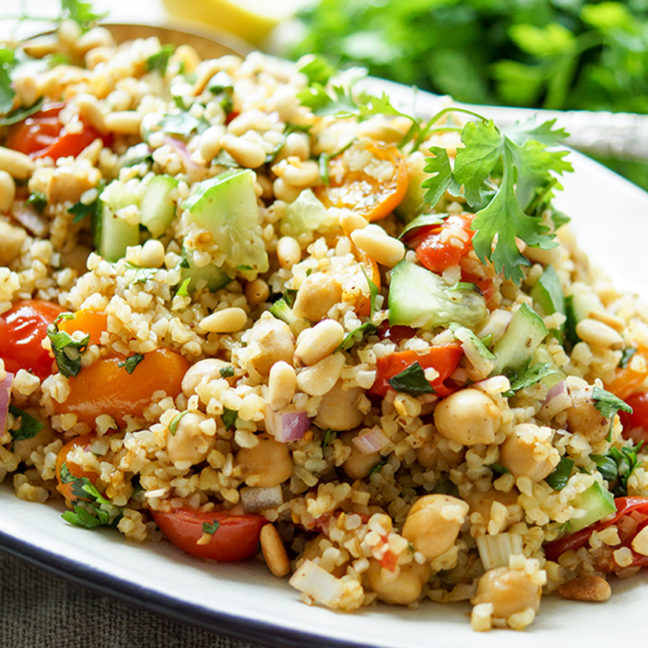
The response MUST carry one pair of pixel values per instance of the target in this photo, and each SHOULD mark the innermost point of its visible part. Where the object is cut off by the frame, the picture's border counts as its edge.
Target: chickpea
(468, 417)
(11, 242)
(274, 341)
(401, 589)
(316, 296)
(189, 443)
(509, 590)
(528, 451)
(338, 409)
(583, 416)
(433, 523)
(24, 447)
(202, 371)
(357, 465)
(266, 465)
(482, 502)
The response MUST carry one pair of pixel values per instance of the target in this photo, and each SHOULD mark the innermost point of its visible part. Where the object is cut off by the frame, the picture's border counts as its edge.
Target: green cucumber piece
(226, 206)
(523, 336)
(113, 235)
(413, 201)
(583, 303)
(598, 503)
(548, 293)
(211, 276)
(421, 299)
(158, 208)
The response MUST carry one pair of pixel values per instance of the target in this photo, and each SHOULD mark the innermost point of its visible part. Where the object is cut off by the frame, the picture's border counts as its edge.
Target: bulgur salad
(252, 310)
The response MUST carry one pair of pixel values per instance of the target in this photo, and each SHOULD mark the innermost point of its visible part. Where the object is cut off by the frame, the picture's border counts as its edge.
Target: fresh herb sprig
(67, 351)
(616, 466)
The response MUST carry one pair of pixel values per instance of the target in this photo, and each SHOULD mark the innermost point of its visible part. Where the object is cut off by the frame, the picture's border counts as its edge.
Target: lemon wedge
(251, 20)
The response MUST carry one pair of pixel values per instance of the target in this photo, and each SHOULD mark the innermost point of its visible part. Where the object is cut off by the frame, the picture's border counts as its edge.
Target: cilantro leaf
(210, 529)
(373, 292)
(559, 477)
(81, 12)
(29, 426)
(498, 469)
(328, 435)
(37, 200)
(173, 426)
(183, 124)
(82, 210)
(608, 404)
(21, 113)
(438, 165)
(7, 94)
(616, 466)
(356, 336)
(229, 418)
(529, 375)
(317, 70)
(411, 381)
(424, 220)
(377, 468)
(183, 291)
(226, 372)
(67, 351)
(626, 356)
(131, 362)
(159, 61)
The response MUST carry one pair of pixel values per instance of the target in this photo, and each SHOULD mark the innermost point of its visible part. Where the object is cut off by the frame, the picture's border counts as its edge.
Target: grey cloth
(41, 610)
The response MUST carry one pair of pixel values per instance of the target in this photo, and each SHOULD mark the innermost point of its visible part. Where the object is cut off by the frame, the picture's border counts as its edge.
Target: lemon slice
(252, 20)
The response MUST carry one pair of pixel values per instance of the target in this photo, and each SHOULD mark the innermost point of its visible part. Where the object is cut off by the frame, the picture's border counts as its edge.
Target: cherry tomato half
(65, 488)
(236, 536)
(437, 249)
(22, 331)
(44, 135)
(363, 192)
(635, 425)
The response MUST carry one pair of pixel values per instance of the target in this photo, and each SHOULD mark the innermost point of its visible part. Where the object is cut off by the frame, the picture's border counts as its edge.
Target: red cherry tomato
(437, 250)
(22, 331)
(635, 425)
(235, 538)
(442, 358)
(65, 488)
(44, 135)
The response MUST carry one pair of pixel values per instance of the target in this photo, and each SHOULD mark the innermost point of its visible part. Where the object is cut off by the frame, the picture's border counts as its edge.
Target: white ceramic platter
(610, 217)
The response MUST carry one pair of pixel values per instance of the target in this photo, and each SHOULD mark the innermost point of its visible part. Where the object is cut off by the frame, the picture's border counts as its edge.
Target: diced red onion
(258, 499)
(558, 389)
(31, 220)
(5, 397)
(371, 441)
(287, 426)
(181, 149)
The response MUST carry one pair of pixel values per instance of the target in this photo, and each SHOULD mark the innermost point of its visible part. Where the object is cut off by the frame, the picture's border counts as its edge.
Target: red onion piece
(556, 390)
(181, 149)
(5, 397)
(287, 426)
(373, 440)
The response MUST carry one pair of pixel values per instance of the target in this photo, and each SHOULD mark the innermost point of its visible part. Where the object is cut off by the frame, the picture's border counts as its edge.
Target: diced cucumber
(597, 502)
(421, 299)
(542, 356)
(227, 207)
(307, 214)
(523, 336)
(158, 208)
(583, 303)
(548, 293)
(113, 235)
(210, 276)
(282, 311)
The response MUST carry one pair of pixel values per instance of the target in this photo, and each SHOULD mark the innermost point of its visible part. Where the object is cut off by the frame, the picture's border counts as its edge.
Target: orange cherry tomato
(106, 388)
(22, 331)
(86, 320)
(630, 380)
(442, 358)
(362, 302)
(65, 488)
(44, 135)
(235, 538)
(484, 285)
(362, 192)
(437, 250)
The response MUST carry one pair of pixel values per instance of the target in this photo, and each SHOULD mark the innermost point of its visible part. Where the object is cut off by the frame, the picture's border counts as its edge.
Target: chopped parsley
(67, 351)
(183, 291)
(226, 372)
(411, 381)
(616, 466)
(498, 469)
(609, 404)
(131, 362)
(424, 220)
(229, 418)
(82, 210)
(210, 529)
(183, 124)
(173, 426)
(37, 200)
(373, 292)
(354, 337)
(327, 438)
(559, 477)
(529, 375)
(29, 426)
(626, 356)
(159, 61)
(377, 468)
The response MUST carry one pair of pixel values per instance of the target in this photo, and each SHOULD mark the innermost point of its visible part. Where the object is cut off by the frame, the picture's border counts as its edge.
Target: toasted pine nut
(152, 255)
(296, 144)
(249, 120)
(640, 542)
(227, 320)
(297, 173)
(7, 191)
(40, 46)
(124, 122)
(284, 191)
(246, 153)
(607, 318)
(586, 588)
(282, 383)
(210, 142)
(350, 221)
(257, 291)
(319, 379)
(288, 252)
(205, 71)
(90, 111)
(598, 334)
(96, 37)
(316, 343)
(374, 241)
(274, 552)
(16, 164)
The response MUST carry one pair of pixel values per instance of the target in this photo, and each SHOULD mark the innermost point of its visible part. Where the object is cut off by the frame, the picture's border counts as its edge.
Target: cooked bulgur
(202, 332)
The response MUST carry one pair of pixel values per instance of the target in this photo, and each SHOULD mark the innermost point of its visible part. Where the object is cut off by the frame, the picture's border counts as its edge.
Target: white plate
(610, 216)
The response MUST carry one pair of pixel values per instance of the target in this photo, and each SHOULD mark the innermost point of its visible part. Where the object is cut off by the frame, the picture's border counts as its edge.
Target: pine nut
(375, 242)
(249, 120)
(246, 153)
(7, 191)
(350, 220)
(586, 588)
(97, 37)
(598, 334)
(640, 542)
(297, 173)
(210, 142)
(316, 343)
(283, 191)
(274, 552)
(40, 46)
(152, 255)
(607, 318)
(228, 320)
(282, 383)
(16, 164)
(257, 291)
(319, 379)
(298, 145)
(205, 71)
(288, 252)
(124, 122)
(90, 111)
